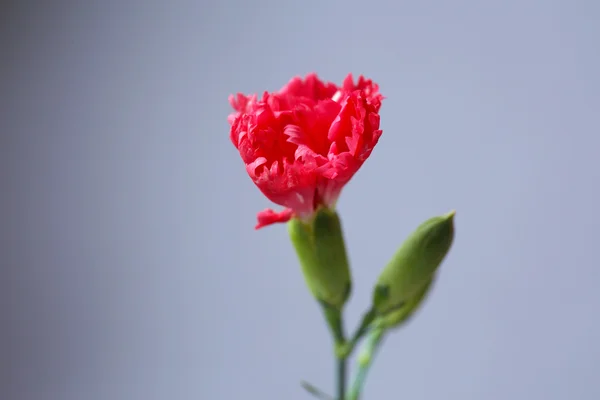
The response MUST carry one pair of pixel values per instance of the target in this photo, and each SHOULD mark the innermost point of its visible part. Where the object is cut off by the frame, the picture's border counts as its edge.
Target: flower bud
(398, 317)
(322, 255)
(414, 265)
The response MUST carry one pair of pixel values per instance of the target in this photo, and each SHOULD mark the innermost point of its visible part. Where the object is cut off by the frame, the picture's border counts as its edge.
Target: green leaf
(318, 393)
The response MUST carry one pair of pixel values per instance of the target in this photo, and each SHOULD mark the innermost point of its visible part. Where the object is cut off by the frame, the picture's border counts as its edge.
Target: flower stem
(362, 329)
(335, 320)
(365, 360)
(341, 378)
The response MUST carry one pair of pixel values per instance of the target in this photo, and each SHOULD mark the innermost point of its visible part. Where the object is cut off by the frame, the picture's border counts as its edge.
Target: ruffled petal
(269, 217)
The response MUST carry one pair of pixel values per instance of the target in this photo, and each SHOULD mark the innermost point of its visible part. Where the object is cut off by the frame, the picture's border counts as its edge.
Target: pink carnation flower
(303, 143)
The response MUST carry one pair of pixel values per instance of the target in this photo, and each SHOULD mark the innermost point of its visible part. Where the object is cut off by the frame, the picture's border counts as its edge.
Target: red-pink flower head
(302, 144)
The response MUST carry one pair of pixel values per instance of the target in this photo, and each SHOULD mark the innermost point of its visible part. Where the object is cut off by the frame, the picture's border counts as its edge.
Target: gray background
(130, 267)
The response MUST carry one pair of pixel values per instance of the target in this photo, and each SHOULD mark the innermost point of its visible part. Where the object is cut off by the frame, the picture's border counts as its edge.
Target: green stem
(341, 378)
(335, 321)
(365, 360)
(362, 329)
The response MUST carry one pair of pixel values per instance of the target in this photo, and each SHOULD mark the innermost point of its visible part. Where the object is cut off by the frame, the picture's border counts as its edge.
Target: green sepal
(414, 264)
(320, 247)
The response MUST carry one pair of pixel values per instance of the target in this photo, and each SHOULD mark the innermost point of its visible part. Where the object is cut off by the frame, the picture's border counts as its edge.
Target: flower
(303, 143)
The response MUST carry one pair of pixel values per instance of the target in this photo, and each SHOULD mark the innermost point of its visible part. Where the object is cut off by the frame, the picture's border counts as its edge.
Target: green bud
(322, 255)
(414, 265)
(398, 317)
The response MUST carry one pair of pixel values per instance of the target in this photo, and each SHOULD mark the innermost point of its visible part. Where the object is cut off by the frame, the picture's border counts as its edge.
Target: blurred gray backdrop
(130, 267)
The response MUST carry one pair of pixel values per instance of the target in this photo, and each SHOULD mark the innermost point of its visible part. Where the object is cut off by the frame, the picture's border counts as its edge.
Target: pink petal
(268, 217)
(295, 134)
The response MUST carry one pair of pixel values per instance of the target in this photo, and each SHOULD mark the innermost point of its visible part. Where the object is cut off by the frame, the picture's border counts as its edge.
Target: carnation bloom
(303, 143)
